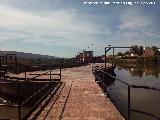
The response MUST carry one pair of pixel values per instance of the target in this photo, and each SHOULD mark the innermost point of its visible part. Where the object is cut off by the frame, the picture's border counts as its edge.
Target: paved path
(80, 99)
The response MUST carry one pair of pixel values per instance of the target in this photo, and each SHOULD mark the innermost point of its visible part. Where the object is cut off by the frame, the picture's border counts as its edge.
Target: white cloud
(136, 28)
(63, 20)
(134, 20)
(63, 27)
(8, 35)
(73, 28)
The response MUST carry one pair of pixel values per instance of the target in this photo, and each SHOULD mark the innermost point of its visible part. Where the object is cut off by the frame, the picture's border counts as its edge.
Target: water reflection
(140, 70)
(141, 99)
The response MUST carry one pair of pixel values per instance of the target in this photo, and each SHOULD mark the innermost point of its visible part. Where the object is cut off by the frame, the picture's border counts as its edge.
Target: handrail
(102, 82)
(11, 105)
(37, 75)
(40, 100)
(35, 94)
(19, 105)
(146, 113)
(134, 86)
(145, 87)
(40, 74)
(47, 86)
(44, 74)
(129, 86)
(113, 77)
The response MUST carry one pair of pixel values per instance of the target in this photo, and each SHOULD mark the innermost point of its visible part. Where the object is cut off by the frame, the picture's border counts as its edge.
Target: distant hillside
(27, 55)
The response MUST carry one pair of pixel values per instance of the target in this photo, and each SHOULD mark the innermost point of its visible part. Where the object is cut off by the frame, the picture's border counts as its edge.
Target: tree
(137, 50)
(155, 50)
(140, 51)
(134, 49)
(119, 54)
(127, 53)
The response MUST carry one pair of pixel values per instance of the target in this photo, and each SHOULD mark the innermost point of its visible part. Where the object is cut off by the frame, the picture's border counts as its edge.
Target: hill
(27, 55)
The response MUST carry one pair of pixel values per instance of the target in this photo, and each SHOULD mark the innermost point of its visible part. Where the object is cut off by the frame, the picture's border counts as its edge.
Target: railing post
(19, 103)
(102, 83)
(60, 73)
(50, 75)
(113, 58)
(0, 70)
(96, 79)
(6, 60)
(15, 63)
(19, 111)
(105, 58)
(5, 71)
(25, 72)
(129, 102)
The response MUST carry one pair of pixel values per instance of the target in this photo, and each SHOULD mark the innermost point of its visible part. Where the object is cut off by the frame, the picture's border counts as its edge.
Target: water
(141, 99)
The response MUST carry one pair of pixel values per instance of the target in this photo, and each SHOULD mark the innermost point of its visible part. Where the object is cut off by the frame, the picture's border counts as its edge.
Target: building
(85, 56)
(88, 56)
(148, 52)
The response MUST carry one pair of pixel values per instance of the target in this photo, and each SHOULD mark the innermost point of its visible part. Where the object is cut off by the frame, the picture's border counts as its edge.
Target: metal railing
(101, 78)
(49, 85)
(8, 61)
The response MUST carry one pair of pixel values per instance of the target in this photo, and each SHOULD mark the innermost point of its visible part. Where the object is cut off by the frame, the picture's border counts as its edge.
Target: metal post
(3, 60)
(6, 60)
(60, 73)
(15, 63)
(0, 70)
(105, 59)
(25, 72)
(129, 102)
(113, 57)
(158, 60)
(5, 71)
(19, 103)
(102, 83)
(19, 112)
(0, 67)
(50, 75)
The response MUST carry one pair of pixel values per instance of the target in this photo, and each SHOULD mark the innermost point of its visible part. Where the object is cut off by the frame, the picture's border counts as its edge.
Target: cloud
(38, 22)
(62, 20)
(61, 27)
(137, 28)
(7, 36)
(134, 20)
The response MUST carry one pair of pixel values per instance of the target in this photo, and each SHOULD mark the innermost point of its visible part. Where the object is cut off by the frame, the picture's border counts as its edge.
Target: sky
(62, 28)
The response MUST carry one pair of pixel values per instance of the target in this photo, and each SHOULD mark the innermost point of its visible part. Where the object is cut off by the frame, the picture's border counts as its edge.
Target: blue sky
(64, 27)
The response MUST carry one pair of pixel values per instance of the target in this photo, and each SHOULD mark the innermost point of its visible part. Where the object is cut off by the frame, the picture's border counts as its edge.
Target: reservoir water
(145, 100)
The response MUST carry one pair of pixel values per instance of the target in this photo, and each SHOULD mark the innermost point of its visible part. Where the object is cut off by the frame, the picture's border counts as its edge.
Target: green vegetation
(138, 54)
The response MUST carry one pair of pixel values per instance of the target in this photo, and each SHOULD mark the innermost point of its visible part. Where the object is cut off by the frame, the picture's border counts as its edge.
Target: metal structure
(28, 90)
(2, 70)
(113, 48)
(7, 62)
(101, 76)
(14, 63)
(50, 85)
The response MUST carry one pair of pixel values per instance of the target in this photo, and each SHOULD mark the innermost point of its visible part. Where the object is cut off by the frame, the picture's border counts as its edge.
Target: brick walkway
(80, 99)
